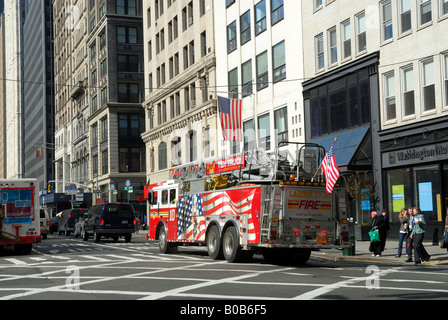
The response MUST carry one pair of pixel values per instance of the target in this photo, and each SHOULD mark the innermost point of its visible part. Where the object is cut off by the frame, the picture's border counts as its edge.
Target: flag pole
(320, 166)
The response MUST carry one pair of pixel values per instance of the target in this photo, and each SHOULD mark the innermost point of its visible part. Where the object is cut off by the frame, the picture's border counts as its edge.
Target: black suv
(109, 220)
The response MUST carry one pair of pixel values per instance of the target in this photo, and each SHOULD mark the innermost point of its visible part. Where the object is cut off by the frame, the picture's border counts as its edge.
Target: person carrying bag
(375, 240)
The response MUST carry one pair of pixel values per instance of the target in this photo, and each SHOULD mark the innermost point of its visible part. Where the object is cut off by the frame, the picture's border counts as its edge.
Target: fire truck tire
(214, 244)
(231, 246)
(300, 256)
(164, 246)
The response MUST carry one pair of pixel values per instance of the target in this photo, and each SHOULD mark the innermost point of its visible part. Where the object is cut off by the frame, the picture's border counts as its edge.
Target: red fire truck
(249, 203)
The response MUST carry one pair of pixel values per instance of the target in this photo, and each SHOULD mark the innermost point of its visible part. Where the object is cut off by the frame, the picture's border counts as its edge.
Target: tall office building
(38, 100)
(13, 88)
(99, 80)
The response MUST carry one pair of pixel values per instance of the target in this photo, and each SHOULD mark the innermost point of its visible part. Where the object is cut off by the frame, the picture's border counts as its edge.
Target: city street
(67, 268)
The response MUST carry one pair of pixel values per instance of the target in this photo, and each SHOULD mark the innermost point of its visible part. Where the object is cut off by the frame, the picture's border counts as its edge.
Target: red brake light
(102, 221)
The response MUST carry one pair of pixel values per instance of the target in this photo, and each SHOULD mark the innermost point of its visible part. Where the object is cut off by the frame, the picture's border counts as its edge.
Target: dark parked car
(67, 220)
(112, 220)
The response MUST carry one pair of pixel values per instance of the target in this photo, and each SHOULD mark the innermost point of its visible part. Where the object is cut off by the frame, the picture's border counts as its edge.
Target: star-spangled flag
(231, 118)
(330, 169)
(191, 218)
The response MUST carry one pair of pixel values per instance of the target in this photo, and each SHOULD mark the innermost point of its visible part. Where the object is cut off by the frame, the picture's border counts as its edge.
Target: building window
(162, 153)
(386, 14)
(128, 125)
(444, 7)
(279, 62)
(408, 91)
(94, 135)
(346, 39)
(105, 162)
(127, 35)
(231, 37)
(405, 15)
(246, 76)
(425, 11)
(128, 92)
(129, 160)
(329, 103)
(104, 96)
(127, 63)
(192, 146)
(249, 135)
(281, 124)
(445, 77)
(104, 129)
(262, 70)
(361, 32)
(127, 7)
(389, 96)
(229, 3)
(233, 83)
(264, 132)
(317, 4)
(428, 89)
(245, 27)
(277, 11)
(260, 17)
(332, 46)
(93, 52)
(320, 58)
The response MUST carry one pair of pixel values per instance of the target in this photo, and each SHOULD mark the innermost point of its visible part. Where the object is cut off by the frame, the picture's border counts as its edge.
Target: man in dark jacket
(378, 224)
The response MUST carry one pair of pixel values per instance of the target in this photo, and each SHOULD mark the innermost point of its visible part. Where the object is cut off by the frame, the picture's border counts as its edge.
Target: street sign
(128, 183)
(70, 190)
(112, 187)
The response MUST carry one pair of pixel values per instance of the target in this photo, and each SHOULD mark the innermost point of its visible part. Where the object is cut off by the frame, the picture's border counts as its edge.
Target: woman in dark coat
(377, 223)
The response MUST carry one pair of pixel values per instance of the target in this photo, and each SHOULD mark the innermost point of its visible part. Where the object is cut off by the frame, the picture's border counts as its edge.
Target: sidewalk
(438, 256)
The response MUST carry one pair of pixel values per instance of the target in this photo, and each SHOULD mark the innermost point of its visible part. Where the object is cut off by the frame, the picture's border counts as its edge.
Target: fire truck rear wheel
(214, 244)
(231, 246)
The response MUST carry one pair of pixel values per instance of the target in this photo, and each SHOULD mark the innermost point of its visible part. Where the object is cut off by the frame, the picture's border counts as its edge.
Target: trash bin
(350, 251)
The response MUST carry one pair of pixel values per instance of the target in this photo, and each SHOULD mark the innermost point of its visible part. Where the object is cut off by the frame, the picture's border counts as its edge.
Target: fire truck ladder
(265, 223)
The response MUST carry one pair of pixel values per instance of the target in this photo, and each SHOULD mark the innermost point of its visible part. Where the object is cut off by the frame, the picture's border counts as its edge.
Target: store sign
(428, 153)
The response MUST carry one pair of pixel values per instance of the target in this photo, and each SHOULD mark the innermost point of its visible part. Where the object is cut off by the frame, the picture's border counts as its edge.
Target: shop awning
(347, 146)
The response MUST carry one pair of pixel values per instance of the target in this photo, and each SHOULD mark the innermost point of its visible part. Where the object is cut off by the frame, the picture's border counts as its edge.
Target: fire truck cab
(254, 202)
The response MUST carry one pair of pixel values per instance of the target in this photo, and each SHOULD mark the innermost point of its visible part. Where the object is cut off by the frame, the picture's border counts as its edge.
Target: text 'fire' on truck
(273, 204)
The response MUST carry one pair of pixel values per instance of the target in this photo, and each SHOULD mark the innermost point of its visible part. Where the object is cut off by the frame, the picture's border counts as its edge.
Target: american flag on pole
(330, 168)
(231, 120)
(191, 218)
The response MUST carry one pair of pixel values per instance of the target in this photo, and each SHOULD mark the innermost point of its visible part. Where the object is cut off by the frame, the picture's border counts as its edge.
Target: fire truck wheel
(300, 256)
(164, 246)
(231, 245)
(214, 245)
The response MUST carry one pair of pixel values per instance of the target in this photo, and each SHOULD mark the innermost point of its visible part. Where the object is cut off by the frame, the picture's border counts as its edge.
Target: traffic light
(50, 188)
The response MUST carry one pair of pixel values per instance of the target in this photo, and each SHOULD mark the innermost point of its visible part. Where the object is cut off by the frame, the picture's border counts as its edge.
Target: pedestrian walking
(418, 234)
(403, 232)
(385, 230)
(377, 224)
(409, 240)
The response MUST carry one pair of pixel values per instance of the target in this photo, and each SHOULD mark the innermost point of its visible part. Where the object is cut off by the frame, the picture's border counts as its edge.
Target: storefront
(415, 170)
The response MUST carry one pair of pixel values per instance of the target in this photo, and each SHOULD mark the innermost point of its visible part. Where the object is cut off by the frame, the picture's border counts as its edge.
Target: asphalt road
(66, 268)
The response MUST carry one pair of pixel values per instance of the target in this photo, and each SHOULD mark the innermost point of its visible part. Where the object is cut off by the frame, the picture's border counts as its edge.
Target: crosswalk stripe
(96, 258)
(16, 261)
